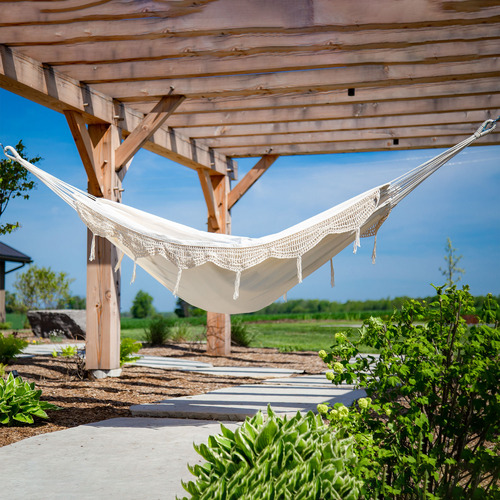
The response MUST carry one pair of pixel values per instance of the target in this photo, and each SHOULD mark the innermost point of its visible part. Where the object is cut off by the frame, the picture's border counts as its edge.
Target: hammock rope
(233, 274)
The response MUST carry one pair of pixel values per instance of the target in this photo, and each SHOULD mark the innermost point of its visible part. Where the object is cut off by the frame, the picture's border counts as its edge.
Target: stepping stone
(171, 363)
(246, 371)
(236, 403)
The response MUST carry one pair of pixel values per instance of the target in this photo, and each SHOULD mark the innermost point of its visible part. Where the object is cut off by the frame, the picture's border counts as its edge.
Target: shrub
(10, 347)
(241, 333)
(20, 401)
(5, 326)
(298, 459)
(127, 348)
(181, 332)
(430, 428)
(158, 331)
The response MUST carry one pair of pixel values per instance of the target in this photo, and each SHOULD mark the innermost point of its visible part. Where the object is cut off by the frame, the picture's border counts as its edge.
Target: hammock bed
(232, 274)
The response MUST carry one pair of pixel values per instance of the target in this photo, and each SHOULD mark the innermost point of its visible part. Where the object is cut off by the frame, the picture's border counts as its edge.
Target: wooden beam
(250, 179)
(44, 85)
(145, 130)
(342, 124)
(375, 109)
(209, 195)
(246, 44)
(431, 53)
(103, 283)
(299, 81)
(389, 144)
(85, 148)
(99, 20)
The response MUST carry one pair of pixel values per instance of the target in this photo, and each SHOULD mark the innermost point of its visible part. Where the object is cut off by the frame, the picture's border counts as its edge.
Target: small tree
(42, 288)
(452, 272)
(14, 182)
(142, 306)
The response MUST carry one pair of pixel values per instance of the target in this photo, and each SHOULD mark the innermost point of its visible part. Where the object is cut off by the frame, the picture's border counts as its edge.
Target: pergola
(204, 82)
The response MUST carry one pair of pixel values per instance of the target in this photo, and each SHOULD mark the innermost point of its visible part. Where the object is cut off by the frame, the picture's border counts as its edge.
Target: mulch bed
(86, 401)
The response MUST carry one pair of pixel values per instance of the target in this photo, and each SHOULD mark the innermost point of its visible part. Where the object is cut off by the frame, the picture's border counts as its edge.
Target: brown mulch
(86, 401)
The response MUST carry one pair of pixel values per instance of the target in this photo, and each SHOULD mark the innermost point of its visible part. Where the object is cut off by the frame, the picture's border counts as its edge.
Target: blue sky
(460, 201)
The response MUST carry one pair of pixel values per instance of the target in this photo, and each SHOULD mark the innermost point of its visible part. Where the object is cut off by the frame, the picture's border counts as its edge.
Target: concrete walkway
(146, 458)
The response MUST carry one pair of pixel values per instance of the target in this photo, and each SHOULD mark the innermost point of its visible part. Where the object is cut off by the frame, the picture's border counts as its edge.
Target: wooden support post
(97, 147)
(219, 325)
(3, 315)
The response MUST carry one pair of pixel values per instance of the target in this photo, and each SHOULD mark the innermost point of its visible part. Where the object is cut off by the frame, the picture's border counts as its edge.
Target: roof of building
(9, 254)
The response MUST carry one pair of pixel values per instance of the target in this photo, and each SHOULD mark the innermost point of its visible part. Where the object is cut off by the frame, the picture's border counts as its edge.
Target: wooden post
(219, 325)
(3, 315)
(103, 283)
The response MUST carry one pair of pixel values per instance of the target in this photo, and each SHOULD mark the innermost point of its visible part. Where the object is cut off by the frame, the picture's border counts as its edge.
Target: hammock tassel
(178, 282)
(332, 274)
(285, 297)
(357, 243)
(133, 272)
(374, 253)
(119, 263)
(299, 268)
(237, 280)
(92, 248)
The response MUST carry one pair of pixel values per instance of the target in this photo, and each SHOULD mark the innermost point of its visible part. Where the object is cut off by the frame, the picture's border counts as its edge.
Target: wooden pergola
(204, 82)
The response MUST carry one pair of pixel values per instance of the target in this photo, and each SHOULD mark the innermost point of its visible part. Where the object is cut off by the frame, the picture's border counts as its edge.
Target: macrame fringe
(374, 253)
(332, 274)
(119, 263)
(357, 243)
(285, 297)
(92, 248)
(237, 280)
(134, 271)
(299, 268)
(178, 282)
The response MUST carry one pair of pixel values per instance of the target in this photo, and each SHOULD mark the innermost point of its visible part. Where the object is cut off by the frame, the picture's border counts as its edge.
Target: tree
(14, 182)
(142, 306)
(42, 288)
(452, 272)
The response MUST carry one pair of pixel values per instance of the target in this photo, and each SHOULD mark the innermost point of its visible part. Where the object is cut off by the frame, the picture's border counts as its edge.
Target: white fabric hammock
(233, 274)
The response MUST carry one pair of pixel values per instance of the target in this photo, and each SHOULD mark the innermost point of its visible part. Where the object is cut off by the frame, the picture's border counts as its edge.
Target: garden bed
(86, 401)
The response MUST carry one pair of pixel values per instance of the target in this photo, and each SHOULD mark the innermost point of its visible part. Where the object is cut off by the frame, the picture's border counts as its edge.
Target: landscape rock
(68, 323)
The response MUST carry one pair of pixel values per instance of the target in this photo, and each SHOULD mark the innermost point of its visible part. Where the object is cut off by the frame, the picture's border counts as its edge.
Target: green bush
(241, 333)
(294, 459)
(181, 331)
(10, 347)
(5, 326)
(158, 330)
(430, 427)
(127, 348)
(20, 401)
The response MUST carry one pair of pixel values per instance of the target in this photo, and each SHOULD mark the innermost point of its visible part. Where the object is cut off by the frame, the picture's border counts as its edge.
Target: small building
(9, 254)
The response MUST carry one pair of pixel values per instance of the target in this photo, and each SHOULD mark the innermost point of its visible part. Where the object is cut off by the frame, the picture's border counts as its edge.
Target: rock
(69, 323)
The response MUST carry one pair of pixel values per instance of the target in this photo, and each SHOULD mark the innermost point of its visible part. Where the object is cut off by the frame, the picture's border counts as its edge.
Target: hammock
(232, 274)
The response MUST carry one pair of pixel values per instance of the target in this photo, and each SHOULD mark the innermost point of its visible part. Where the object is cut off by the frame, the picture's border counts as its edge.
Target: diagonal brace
(250, 179)
(209, 195)
(146, 129)
(85, 148)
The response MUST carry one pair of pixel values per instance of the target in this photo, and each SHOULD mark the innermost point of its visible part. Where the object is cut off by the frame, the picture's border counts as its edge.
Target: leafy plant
(2, 370)
(20, 401)
(75, 360)
(295, 459)
(14, 183)
(127, 348)
(241, 333)
(432, 429)
(10, 347)
(42, 288)
(158, 331)
(5, 326)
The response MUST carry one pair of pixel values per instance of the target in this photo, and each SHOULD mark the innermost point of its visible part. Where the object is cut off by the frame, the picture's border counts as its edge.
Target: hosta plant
(20, 401)
(297, 458)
